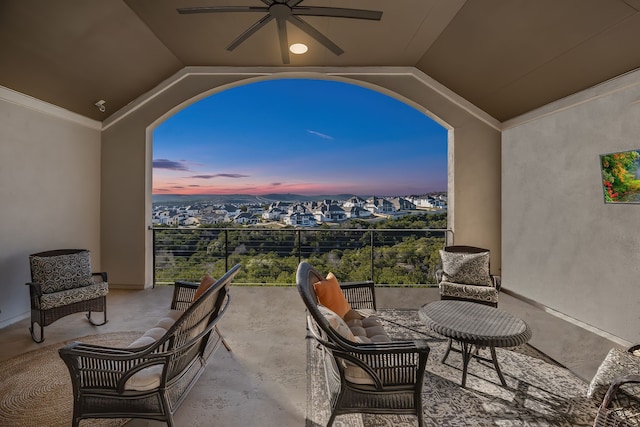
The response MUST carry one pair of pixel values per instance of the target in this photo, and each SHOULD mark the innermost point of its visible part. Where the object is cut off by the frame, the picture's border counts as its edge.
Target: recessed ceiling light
(298, 48)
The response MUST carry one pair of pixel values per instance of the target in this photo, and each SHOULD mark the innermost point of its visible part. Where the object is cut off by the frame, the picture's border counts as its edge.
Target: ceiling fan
(288, 10)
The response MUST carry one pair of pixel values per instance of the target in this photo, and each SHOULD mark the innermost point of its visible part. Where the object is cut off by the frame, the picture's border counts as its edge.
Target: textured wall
(562, 245)
(50, 195)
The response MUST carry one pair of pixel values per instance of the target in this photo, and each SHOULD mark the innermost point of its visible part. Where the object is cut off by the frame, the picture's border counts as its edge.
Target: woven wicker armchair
(618, 379)
(466, 275)
(62, 283)
(395, 369)
(151, 377)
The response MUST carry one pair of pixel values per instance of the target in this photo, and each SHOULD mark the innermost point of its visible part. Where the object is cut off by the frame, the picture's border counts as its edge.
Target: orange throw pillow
(205, 284)
(330, 295)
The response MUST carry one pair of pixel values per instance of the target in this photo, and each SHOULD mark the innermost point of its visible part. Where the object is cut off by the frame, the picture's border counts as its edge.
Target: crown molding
(26, 101)
(609, 87)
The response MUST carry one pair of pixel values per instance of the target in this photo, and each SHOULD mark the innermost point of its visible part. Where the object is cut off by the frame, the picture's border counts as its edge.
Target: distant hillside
(297, 197)
(242, 198)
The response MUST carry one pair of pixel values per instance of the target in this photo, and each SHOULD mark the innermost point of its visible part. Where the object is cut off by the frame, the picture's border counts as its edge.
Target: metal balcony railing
(270, 256)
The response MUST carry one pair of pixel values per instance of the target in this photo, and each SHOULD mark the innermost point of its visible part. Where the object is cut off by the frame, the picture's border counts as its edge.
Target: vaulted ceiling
(505, 56)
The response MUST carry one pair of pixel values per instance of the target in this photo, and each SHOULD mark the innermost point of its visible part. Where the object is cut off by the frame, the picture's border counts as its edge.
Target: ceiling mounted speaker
(288, 11)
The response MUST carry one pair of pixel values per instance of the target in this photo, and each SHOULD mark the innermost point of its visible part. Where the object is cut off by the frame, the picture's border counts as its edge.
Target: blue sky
(300, 136)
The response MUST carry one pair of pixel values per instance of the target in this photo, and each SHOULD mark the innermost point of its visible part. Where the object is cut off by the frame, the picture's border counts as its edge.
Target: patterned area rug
(35, 387)
(539, 391)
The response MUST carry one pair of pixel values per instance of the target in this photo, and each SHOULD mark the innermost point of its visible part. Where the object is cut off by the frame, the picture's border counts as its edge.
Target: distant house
(300, 219)
(214, 218)
(297, 208)
(245, 218)
(402, 204)
(330, 213)
(273, 214)
(255, 209)
(378, 205)
(230, 210)
(356, 212)
(355, 201)
(190, 222)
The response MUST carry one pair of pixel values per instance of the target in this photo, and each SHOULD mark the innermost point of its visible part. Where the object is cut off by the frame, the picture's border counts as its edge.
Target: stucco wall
(50, 193)
(126, 175)
(563, 247)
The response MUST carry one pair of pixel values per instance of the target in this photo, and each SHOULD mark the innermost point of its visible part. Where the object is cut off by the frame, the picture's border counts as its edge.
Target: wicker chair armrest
(360, 294)
(79, 349)
(35, 289)
(497, 281)
(633, 348)
(102, 274)
(94, 361)
(615, 386)
(186, 284)
(378, 359)
(413, 346)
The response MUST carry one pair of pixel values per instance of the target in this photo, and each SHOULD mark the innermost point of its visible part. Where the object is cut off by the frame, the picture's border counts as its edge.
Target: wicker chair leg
(33, 337)
(97, 324)
(332, 418)
(224, 342)
(419, 410)
(104, 305)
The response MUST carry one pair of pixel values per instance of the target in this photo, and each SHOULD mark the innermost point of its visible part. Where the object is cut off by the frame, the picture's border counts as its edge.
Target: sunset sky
(299, 136)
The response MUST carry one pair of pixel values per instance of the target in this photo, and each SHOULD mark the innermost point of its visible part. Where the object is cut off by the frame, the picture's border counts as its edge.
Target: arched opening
(298, 141)
(250, 139)
(126, 161)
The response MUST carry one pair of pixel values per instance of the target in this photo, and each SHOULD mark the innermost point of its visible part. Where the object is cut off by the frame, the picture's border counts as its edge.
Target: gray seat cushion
(70, 296)
(474, 292)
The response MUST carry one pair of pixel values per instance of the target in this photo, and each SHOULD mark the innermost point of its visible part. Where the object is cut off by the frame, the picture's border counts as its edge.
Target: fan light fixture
(283, 11)
(298, 48)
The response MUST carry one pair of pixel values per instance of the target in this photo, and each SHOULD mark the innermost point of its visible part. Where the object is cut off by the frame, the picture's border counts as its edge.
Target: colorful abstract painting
(621, 176)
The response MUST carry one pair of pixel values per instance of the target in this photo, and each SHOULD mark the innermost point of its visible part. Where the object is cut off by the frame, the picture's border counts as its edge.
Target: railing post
(299, 245)
(226, 249)
(153, 245)
(372, 268)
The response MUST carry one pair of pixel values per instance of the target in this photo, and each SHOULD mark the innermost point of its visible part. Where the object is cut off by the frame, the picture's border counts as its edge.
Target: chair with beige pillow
(466, 275)
(365, 371)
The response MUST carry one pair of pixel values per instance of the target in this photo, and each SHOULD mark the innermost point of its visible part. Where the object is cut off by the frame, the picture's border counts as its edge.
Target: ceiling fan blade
(284, 42)
(218, 9)
(249, 32)
(293, 3)
(304, 26)
(337, 12)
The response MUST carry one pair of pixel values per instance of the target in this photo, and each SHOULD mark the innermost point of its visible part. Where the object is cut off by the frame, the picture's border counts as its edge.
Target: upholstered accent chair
(62, 283)
(616, 388)
(465, 275)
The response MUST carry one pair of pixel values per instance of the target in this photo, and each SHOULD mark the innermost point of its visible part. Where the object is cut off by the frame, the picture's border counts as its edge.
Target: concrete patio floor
(262, 382)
